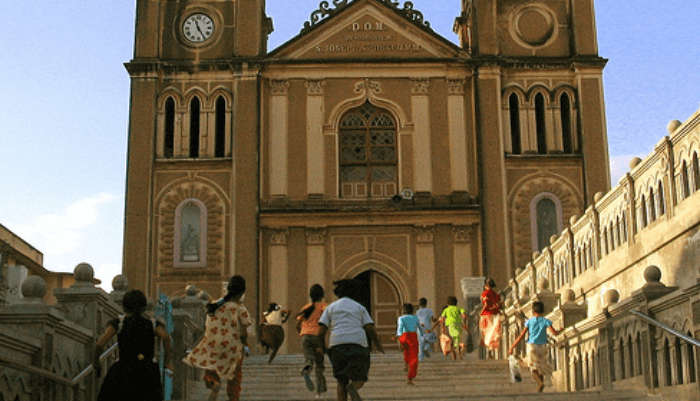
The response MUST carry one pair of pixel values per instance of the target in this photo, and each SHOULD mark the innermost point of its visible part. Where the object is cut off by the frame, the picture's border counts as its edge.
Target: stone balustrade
(61, 338)
(611, 260)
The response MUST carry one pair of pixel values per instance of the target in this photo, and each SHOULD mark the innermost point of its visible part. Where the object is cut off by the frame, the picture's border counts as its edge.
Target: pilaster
(422, 161)
(315, 171)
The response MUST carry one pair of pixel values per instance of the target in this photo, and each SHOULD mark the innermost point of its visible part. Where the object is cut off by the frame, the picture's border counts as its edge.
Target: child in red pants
(407, 331)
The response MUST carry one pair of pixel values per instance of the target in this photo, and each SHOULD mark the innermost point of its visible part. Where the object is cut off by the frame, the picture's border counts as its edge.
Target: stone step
(438, 379)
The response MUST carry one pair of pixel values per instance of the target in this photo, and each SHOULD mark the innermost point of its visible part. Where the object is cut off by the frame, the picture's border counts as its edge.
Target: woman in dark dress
(135, 376)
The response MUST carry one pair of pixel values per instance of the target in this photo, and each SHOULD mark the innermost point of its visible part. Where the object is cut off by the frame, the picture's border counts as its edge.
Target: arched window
(679, 361)
(685, 183)
(690, 348)
(540, 124)
(622, 359)
(190, 234)
(566, 123)
(368, 159)
(606, 249)
(667, 363)
(630, 356)
(652, 206)
(618, 234)
(169, 131)
(661, 199)
(220, 128)
(696, 172)
(639, 354)
(514, 106)
(624, 227)
(611, 237)
(643, 209)
(545, 219)
(194, 127)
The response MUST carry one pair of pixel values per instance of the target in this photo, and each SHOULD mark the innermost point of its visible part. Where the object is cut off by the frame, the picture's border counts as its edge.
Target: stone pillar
(120, 285)
(85, 304)
(459, 167)
(462, 255)
(422, 160)
(425, 264)
(315, 164)
(316, 256)
(278, 126)
(278, 278)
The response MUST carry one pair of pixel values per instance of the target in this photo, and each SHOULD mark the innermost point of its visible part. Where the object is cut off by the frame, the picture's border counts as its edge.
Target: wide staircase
(438, 379)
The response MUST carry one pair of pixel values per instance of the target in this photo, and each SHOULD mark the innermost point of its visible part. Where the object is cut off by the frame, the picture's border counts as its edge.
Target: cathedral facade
(367, 146)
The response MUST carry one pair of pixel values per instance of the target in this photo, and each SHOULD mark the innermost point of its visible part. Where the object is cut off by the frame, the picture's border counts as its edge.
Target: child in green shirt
(455, 319)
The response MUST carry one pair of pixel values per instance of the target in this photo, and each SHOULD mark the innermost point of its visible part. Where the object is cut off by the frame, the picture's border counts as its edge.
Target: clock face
(198, 27)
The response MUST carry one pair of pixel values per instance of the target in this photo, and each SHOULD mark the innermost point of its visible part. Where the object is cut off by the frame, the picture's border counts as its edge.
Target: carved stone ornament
(462, 234)
(316, 236)
(325, 11)
(425, 234)
(455, 86)
(279, 237)
(279, 87)
(420, 86)
(368, 88)
(314, 88)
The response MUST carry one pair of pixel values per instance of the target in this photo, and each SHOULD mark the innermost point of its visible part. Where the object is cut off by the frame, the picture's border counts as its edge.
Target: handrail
(53, 376)
(91, 367)
(657, 323)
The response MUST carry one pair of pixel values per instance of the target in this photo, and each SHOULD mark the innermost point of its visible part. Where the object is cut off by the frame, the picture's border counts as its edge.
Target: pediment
(368, 29)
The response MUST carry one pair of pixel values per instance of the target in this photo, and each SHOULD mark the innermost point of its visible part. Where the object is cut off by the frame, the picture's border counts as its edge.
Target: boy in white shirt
(348, 347)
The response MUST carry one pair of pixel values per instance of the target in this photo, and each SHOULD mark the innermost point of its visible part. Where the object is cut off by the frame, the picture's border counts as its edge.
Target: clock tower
(192, 149)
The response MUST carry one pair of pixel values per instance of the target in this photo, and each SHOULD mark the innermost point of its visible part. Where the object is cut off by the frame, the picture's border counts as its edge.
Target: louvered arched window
(169, 129)
(368, 156)
(540, 124)
(565, 109)
(514, 108)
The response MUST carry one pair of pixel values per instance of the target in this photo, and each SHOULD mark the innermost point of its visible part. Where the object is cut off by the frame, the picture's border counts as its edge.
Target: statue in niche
(190, 239)
(546, 222)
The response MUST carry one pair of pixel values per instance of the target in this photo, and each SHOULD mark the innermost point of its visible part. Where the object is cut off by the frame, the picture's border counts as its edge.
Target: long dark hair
(316, 294)
(234, 289)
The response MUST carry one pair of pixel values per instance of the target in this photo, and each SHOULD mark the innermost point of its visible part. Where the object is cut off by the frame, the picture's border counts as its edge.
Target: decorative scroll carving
(462, 234)
(368, 88)
(455, 86)
(420, 86)
(279, 237)
(314, 88)
(316, 236)
(325, 11)
(279, 87)
(425, 234)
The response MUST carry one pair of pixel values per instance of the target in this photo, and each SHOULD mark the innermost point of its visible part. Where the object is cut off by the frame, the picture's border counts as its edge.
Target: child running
(426, 318)
(454, 319)
(311, 342)
(407, 331)
(352, 332)
(537, 352)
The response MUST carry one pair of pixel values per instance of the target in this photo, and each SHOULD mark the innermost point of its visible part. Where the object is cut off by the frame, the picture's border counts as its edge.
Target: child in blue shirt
(537, 352)
(407, 331)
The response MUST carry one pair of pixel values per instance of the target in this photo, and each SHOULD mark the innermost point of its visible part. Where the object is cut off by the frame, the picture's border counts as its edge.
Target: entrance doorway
(382, 300)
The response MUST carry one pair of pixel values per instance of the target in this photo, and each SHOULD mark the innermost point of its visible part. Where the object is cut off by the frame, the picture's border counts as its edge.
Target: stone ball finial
(673, 126)
(569, 296)
(535, 255)
(611, 297)
(120, 283)
(84, 275)
(598, 196)
(573, 219)
(518, 271)
(33, 288)
(543, 284)
(191, 290)
(204, 296)
(553, 239)
(652, 274)
(635, 162)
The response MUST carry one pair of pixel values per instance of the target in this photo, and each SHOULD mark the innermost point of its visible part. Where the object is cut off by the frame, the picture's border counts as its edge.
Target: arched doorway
(382, 300)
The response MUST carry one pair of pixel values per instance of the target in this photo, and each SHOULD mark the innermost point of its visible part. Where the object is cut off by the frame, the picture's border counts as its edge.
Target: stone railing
(605, 263)
(44, 347)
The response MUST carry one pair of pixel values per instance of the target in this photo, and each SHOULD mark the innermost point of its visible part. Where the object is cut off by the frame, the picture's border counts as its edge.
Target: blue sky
(65, 98)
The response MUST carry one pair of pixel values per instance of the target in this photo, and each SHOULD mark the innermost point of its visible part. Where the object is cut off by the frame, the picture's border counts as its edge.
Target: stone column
(316, 256)
(457, 135)
(278, 126)
(278, 277)
(425, 264)
(422, 157)
(462, 255)
(315, 164)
